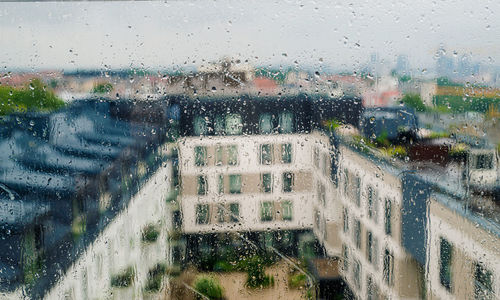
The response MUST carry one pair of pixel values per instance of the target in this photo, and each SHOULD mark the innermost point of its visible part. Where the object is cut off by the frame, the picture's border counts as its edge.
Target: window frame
(266, 157)
(266, 188)
(232, 155)
(200, 156)
(445, 264)
(388, 217)
(235, 214)
(287, 210)
(266, 211)
(288, 182)
(202, 185)
(198, 211)
(235, 179)
(286, 153)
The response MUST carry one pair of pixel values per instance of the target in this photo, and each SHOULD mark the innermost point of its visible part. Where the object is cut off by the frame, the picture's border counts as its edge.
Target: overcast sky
(160, 35)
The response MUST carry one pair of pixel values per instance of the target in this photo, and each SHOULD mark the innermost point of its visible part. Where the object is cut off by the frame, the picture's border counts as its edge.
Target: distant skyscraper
(444, 64)
(402, 65)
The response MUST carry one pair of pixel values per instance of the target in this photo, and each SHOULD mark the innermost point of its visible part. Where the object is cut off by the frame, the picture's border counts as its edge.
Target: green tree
(102, 88)
(35, 96)
(209, 286)
(414, 100)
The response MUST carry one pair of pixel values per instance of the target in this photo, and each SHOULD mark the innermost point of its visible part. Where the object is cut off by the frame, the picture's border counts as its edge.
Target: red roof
(263, 83)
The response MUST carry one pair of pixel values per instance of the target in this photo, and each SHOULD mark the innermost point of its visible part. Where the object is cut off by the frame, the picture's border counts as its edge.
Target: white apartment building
(463, 259)
(374, 262)
(91, 276)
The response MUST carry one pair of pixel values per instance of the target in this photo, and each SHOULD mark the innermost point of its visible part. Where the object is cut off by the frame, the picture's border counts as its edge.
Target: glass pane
(287, 208)
(220, 184)
(232, 155)
(234, 124)
(235, 184)
(287, 182)
(234, 208)
(265, 123)
(267, 211)
(202, 214)
(266, 154)
(200, 126)
(286, 122)
(267, 183)
(445, 273)
(200, 155)
(286, 153)
(219, 125)
(218, 154)
(202, 185)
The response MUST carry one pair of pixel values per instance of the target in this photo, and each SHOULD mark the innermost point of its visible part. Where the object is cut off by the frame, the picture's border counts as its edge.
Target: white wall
(120, 246)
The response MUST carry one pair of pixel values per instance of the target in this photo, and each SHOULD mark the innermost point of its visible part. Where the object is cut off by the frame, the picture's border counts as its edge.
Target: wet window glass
(249, 149)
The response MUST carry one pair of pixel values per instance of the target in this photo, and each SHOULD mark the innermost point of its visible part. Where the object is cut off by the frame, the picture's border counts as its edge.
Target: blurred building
(70, 185)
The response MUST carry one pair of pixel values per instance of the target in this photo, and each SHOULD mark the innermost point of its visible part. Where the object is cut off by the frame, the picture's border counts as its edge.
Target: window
(200, 156)
(287, 207)
(287, 182)
(221, 213)
(220, 183)
(388, 215)
(445, 256)
(267, 183)
(218, 155)
(321, 194)
(234, 208)
(202, 185)
(358, 191)
(286, 153)
(371, 248)
(484, 161)
(357, 233)
(371, 289)
(388, 268)
(369, 245)
(266, 154)
(372, 203)
(232, 159)
(265, 124)
(356, 274)
(316, 157)
(286, 122)
(235, 184)
(346, 181)
(345, 256)
(200, 126)
(483, 282)
(202, 214)
(219, 125)
(234, 124)
(317, 218)
(346, 220)
(266, 211)
(325, 166)
(268, 240)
